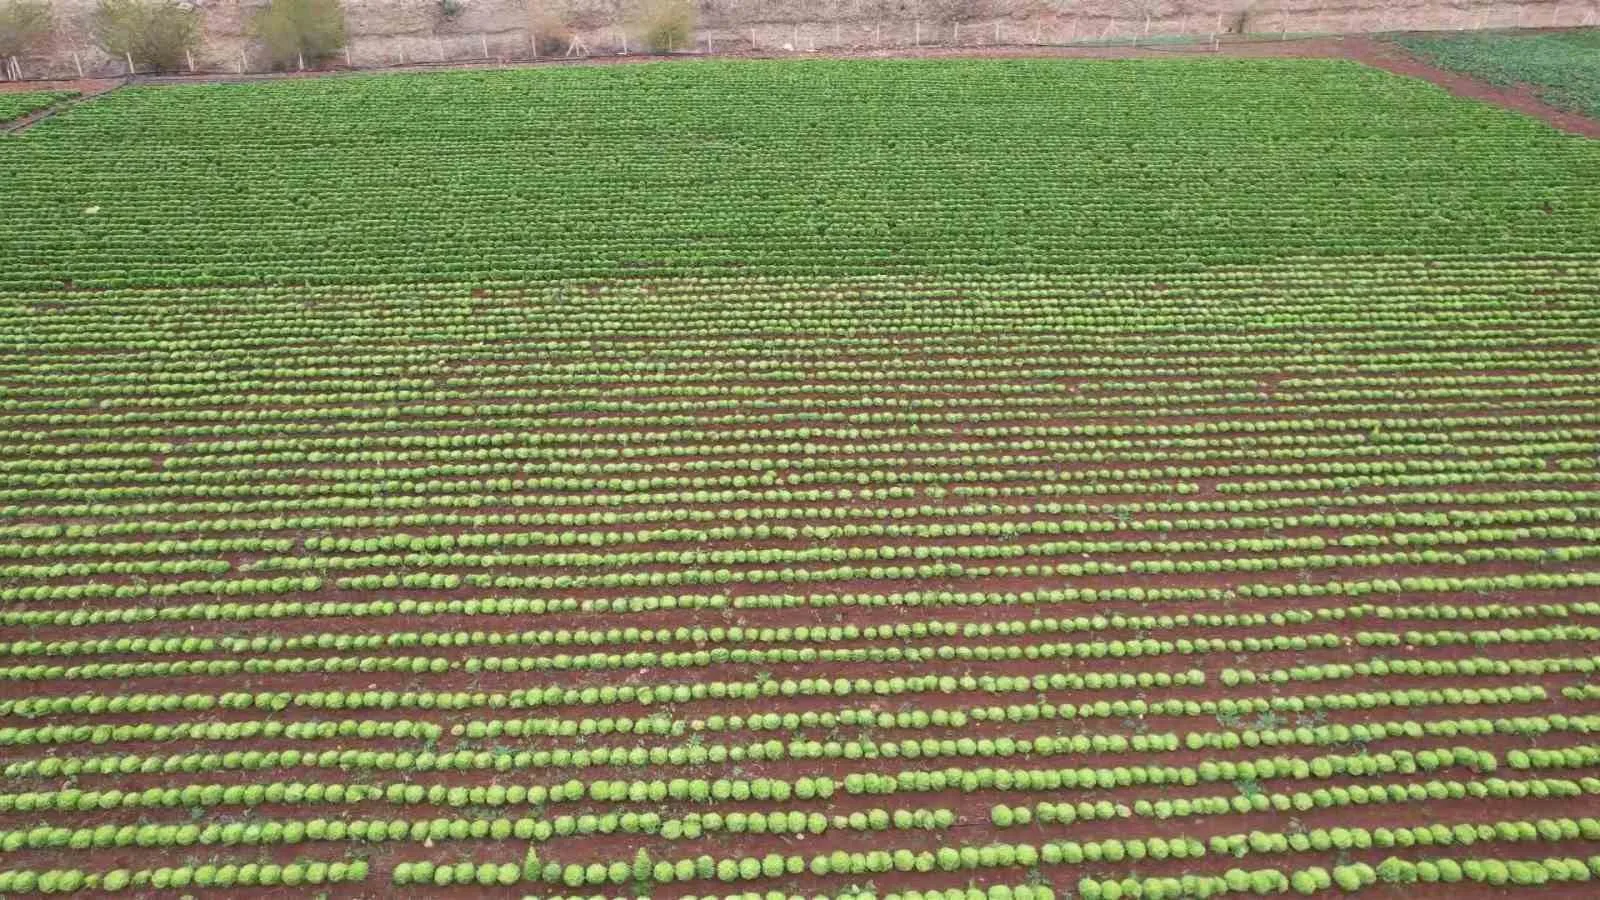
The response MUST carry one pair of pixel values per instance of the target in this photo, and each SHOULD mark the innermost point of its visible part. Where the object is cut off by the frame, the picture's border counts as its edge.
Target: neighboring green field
(979, 480)
(1563, 67)
(820, 169)
(13, 105)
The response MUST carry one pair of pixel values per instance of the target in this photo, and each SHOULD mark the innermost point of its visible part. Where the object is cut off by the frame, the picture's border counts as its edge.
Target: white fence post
(483, 41)
(77, 63)
(129, 57)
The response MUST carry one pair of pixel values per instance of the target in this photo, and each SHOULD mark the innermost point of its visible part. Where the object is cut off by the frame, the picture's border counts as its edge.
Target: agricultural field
(16, 104)
(917, 479)
(1562, 67)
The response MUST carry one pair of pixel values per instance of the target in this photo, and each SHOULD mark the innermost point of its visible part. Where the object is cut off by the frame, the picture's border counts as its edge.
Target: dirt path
(1394, 59)
(82, 86)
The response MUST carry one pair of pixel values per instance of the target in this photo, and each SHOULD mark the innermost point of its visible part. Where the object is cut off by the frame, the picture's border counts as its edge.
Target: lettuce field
(1561, 67)
(921, 479)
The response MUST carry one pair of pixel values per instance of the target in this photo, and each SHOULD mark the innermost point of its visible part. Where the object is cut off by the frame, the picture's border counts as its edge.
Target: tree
(154, 33)
(667, 25)
(23, 25)
(293, 31)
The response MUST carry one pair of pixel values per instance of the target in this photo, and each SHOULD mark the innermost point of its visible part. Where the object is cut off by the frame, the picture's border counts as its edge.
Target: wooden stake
(302, 61)
(241, 62)
(77, 63)
(1147, 24)
(753, 44)
(483, 40)
(347, 62)
(877, 35)
(997, 31)
(955, 33)
(129, 56)
(918, 32)
(190, 56)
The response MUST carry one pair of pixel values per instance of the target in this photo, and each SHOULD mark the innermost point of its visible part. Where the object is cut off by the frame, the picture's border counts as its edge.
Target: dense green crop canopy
(940, 480)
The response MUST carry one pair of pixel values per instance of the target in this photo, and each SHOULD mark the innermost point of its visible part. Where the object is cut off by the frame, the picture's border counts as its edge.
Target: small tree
(155, 33)
(668, 25)
(24, 24)
(552, 34)
(290, 30)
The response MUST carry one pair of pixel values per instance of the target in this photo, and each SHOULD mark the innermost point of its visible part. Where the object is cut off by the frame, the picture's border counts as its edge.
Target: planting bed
(14, 105)
(959, 478)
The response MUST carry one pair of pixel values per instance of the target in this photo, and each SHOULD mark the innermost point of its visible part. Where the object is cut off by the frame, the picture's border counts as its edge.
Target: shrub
(667, 25)
(291, 29)
(155, 33)
(551, 35)
(23, 25)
